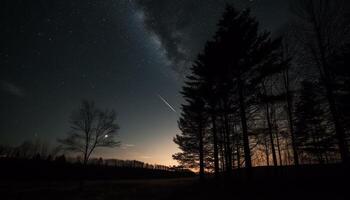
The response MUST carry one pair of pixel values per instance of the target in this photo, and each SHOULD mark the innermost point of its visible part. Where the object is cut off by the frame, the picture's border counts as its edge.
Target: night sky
(126, 55)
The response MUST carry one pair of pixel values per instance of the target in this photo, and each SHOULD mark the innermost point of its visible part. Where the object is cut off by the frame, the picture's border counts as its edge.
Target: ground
(185, 188)
(123, 189)
(329, 182)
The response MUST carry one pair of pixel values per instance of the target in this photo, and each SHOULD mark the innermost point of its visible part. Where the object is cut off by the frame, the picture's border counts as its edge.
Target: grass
(283, 183)
(122, 189)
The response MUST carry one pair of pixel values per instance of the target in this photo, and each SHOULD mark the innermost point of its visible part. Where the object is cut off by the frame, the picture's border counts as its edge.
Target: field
(123, 189)
(331, 183)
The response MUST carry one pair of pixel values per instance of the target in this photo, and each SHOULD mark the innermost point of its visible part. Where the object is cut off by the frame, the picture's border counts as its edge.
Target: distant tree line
(254, 99)
(40, 151)
(62, 168)
(31, 149)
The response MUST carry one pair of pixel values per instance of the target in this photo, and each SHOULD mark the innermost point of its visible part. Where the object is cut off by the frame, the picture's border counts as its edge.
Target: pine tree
(246, 54)
(193, 123)
(312, 137)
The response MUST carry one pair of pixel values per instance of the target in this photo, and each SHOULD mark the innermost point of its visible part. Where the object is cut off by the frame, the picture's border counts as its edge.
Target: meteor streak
(166, 103)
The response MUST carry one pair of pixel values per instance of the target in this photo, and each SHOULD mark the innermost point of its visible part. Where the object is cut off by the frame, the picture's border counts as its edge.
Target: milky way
(118, 53)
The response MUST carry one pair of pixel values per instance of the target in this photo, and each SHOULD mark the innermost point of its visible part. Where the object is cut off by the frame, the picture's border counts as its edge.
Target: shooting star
(166, 103)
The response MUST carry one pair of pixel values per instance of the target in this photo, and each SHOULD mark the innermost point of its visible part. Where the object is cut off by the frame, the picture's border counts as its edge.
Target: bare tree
(289, 50)
(324, 28)
(91, 128)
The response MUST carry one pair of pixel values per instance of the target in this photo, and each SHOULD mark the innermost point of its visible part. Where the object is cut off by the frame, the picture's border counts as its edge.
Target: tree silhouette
(192, 125)
(244, 94)
(206, 78)
(312, 137)
(224, 80)
(289, 49)
(315, 20)
(341, 72)
(246, 53)
(267, 100)
(91, 128)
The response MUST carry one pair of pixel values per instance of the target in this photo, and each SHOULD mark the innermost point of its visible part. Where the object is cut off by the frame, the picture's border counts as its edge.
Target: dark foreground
(312, 182)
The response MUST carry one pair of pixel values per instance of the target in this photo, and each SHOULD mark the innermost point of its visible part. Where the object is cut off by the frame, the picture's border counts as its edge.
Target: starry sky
(126, 55)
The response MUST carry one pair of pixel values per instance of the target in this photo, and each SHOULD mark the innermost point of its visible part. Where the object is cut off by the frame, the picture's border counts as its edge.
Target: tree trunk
(247, 155)
(238, 155)
(85, 161)
(274, 157)
(279, 148)
(222, 151)
(267, 152)
(269, 124)
(277, 136)
(290, 117)
(288, 155)
(228, 143)
(215, 141)
(233, 147)
(201, 154)
(224, 144)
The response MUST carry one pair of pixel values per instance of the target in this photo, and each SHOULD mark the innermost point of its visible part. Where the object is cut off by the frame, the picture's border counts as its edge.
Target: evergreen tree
(245, 54)
(192, 124)
(312, 137)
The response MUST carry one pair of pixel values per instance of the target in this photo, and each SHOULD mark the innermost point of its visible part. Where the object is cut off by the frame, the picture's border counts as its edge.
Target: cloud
(13, 89)
(127, 146)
